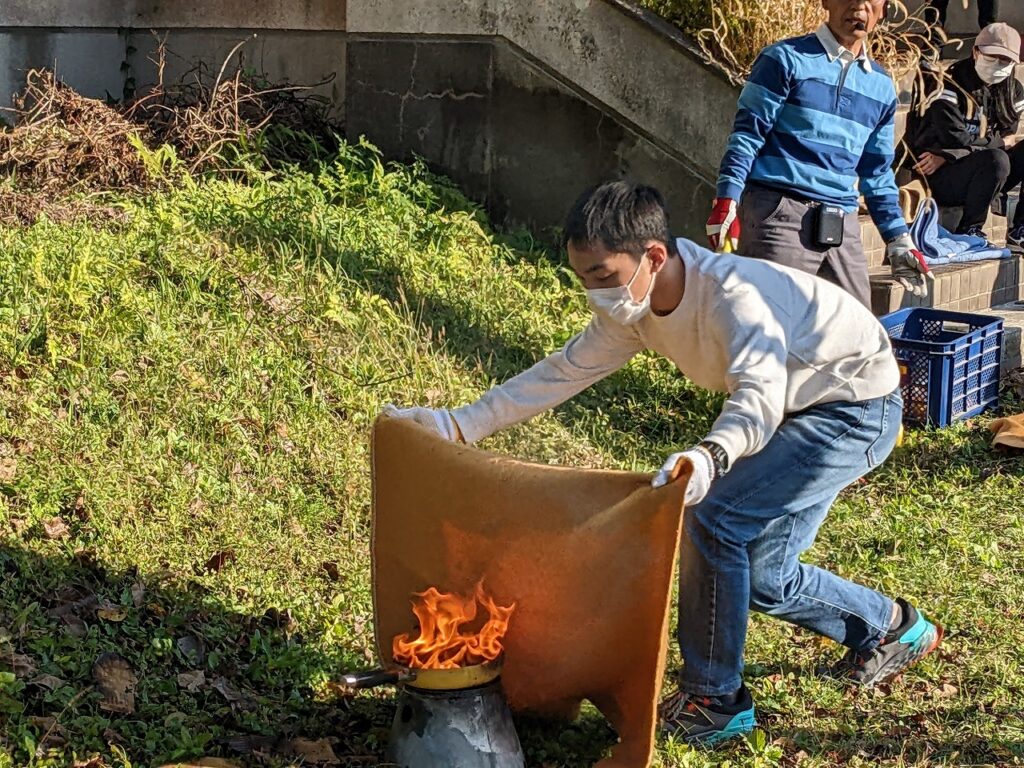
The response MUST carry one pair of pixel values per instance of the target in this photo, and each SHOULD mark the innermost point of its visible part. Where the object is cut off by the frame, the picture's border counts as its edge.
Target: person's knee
(998, 161)
(766, 594)
(770, 591)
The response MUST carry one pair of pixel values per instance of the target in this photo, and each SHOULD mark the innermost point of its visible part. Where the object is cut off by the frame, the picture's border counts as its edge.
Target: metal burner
(462, 728)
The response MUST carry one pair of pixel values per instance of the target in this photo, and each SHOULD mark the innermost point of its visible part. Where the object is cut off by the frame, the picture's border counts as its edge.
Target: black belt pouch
(828, 228)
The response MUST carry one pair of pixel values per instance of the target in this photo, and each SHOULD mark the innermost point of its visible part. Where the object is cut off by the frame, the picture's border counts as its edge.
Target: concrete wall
(523, 104)
(963, 21)
(509, 132)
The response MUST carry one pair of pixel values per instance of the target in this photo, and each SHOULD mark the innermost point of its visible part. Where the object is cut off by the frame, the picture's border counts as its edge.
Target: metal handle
(374, 677)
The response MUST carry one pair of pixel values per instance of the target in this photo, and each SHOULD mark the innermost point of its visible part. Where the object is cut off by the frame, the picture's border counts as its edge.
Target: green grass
(190, 390)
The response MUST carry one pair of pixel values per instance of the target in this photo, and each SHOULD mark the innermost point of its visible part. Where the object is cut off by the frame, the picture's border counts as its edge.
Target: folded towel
(940, 246)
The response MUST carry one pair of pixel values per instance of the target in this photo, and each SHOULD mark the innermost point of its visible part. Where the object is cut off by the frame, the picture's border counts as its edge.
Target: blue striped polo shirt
(816, 124)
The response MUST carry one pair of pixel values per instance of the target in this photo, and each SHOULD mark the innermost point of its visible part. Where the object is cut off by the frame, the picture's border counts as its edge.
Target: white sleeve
(603, 347)
(756, 376)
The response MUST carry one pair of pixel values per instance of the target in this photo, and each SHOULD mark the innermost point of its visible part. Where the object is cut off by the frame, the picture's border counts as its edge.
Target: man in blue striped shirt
(814, 129)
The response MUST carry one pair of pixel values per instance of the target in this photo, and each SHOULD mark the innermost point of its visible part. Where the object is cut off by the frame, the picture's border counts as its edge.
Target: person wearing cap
(815, 130)
(965, 142)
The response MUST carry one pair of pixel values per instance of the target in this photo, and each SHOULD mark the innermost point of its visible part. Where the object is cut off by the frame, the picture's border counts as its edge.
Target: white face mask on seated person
(618, 303)
(992, 70)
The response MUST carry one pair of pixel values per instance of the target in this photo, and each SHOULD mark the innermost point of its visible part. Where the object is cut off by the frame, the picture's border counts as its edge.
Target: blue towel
(940, 246)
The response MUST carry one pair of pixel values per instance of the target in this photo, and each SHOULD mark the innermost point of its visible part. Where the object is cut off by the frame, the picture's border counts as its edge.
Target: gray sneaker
(901, 647)
(1015, 237)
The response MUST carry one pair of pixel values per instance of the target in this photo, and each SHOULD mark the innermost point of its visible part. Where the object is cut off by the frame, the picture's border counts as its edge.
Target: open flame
(446, 637)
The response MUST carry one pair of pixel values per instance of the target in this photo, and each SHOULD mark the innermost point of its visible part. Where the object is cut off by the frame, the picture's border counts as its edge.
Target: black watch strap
(718, 456)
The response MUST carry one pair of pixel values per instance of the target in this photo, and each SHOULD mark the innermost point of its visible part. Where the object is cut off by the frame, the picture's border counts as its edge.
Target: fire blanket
(587, 556)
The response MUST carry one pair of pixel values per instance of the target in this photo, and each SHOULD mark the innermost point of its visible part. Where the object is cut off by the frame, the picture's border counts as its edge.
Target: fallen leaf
(92, 762)
(219, 560)
(204, 762)
(78, 508)
(119, 377)
(138, 593)
(339, 689)
(945, 691)
(281, 619)
(248, 744)
(18, 663)
(50, 682)
(112, 737)
(8, 469)
(332, 570)
(116, 681)
(112, 613)
(55, 528)
(74, 607)
(319, 751)
(234, 696)
(192, 648)
(52, 735)
(75, 627)
(192, 681)
(43, 723)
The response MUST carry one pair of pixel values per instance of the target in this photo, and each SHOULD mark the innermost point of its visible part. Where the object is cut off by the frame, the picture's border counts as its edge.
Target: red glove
(723, 226)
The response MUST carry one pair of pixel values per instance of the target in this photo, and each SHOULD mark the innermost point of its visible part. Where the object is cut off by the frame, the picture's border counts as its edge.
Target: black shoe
(901, 647)
(1015, 237)
(706, 720)
(975, 231)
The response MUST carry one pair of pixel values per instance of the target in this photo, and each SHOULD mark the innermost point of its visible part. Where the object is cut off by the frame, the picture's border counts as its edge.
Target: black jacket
(963, 114)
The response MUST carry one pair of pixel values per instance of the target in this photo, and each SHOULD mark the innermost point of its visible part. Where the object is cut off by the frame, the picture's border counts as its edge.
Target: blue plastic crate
(949, 363)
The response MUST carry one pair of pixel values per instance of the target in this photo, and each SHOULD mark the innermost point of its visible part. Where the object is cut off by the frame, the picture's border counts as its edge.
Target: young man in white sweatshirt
(813, 406)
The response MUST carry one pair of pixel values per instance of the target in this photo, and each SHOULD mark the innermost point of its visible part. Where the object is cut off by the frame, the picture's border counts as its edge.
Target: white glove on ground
(700, 479)
(437, 419)
(908, 265)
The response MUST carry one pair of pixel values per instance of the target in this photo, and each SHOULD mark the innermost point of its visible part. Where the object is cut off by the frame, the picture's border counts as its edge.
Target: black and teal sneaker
(706, 721)
(901, 647)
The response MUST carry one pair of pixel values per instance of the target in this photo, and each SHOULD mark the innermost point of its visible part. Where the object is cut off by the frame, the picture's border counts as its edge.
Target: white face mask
(618, 303)
(991, 70)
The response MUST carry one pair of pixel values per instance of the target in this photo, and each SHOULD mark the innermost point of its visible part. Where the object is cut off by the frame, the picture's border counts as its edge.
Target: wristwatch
(719, 457)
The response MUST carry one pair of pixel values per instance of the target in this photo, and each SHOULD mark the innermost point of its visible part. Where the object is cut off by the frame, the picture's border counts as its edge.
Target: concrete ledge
(974, 287)
(1013, 334)
(144, 14)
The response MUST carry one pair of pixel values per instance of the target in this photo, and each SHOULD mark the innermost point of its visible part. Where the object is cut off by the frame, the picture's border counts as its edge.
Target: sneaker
(902, 646)
(707, 721)
(975, 231)
(1015, 237)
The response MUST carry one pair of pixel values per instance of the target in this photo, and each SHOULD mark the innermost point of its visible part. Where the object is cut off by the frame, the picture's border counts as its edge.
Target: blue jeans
(743, 543)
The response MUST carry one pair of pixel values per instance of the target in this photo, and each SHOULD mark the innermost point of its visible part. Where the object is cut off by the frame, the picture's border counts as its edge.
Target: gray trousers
(780, 229)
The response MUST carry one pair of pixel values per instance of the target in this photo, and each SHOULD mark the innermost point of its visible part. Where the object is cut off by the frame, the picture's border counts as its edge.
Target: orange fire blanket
(586, 555)
(1009, 431)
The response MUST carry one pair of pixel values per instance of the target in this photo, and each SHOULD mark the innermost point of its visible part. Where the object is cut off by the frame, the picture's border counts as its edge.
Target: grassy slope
(201, 379)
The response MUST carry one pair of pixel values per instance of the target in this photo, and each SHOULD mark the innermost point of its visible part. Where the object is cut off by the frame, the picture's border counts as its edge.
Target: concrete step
(974, 287)
(1013, 334)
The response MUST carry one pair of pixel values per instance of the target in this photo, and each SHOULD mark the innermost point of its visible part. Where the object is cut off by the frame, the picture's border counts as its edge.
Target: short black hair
(620, 215)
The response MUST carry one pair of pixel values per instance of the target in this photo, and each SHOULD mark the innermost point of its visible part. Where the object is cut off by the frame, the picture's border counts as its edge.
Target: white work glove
(437, 419)
(700, 479)
(908, 265)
